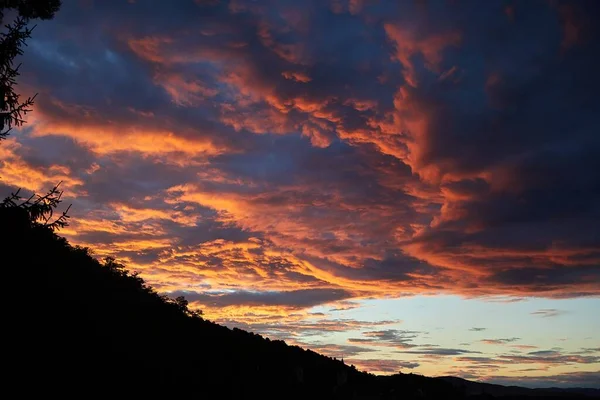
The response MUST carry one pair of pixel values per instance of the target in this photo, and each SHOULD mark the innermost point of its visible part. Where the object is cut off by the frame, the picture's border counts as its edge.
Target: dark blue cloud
(294, 298)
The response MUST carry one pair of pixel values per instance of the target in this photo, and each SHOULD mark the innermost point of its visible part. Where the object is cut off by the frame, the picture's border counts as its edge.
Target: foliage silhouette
(12, 109)
(38, 209)
(30, 9)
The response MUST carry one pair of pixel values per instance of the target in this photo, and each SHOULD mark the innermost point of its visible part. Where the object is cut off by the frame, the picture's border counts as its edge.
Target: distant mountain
(479, 388)
(75, 327)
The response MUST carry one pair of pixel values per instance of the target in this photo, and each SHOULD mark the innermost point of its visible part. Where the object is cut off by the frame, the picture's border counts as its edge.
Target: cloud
(390, 337)
(548, 312)
(524, 346)
(475, 361)
(439, 351)
(345, 306)
(338, 351)
(542, 358)
(305, 298)
(258, 119)
(499, 341)
(589, 350)
(296, 326)
(382, 366)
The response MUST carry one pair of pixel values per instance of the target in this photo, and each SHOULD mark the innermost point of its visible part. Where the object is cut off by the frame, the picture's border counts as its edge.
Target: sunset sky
(411, 185)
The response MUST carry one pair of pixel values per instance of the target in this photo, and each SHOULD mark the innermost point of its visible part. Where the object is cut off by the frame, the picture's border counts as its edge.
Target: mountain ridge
(479, 388)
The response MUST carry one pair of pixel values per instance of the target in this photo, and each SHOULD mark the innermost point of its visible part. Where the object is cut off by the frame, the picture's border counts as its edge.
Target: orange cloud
(296, 76)
(184, 91)
(14, 171)
(430, 47)
(102, 136)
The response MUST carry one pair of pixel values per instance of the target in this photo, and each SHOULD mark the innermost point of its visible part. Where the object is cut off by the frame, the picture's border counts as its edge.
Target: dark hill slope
(78, 326)
(75, 327)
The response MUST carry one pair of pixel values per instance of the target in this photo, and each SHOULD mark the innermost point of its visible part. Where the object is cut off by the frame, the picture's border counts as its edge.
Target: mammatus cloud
(266, 157)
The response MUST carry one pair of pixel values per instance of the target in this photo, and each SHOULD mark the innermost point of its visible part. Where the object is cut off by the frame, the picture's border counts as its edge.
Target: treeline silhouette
(75, 326)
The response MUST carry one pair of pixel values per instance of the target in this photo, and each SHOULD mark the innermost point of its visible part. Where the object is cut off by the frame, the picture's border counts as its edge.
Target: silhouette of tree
(12, 109)
(30, 9)
(182, 303)
(35, 209)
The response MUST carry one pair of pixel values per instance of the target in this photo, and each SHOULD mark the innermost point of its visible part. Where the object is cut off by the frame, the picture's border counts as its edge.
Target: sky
(408, 185)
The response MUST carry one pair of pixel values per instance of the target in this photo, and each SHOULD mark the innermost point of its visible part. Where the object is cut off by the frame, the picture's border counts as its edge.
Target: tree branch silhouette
(12, 109)
(40, 209)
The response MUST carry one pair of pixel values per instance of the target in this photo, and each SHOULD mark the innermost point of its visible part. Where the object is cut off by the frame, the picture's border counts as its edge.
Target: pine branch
(40, 209)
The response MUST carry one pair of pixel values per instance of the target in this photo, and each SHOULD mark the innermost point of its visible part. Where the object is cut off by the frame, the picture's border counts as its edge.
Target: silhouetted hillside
(78, 327)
